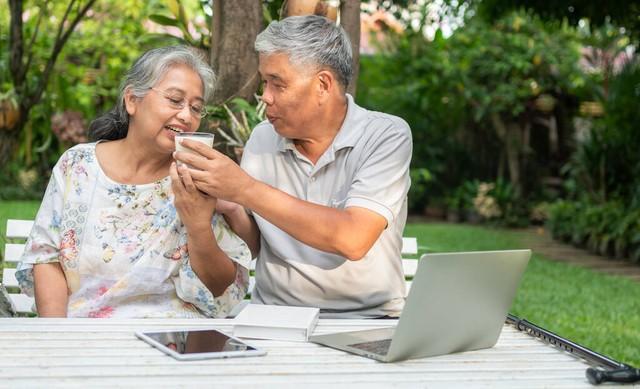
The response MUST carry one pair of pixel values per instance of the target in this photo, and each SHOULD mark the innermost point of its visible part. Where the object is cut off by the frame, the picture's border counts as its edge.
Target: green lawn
(598, 311)
(15, 210)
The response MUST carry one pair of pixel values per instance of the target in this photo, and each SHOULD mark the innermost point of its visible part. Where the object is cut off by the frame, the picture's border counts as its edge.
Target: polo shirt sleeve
(382, 181)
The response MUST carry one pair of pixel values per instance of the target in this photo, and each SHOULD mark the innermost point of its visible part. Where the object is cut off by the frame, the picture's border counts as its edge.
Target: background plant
(84, 81)
(493, 101)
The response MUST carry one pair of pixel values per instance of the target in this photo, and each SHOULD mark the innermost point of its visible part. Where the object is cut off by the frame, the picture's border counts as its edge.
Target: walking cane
(614, 371)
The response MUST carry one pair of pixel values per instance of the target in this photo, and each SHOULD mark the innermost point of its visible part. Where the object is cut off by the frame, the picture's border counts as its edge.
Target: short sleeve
(43, 243)
(382, 181)
(191, 289)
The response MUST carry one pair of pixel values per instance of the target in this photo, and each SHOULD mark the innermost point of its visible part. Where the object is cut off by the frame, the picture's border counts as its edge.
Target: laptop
(457, 302)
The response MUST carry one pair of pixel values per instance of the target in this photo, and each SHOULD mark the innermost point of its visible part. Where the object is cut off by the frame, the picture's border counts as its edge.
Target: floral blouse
(123, 248)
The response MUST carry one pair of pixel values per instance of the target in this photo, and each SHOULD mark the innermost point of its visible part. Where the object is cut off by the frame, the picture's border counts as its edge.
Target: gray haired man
(325, 180)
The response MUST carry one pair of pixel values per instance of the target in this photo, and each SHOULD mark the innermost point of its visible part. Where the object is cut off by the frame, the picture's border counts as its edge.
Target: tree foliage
(83, 81)
(481, 102)
(620, 12)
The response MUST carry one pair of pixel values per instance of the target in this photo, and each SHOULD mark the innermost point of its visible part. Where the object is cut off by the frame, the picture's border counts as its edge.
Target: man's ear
(130, 102)
(326, 82)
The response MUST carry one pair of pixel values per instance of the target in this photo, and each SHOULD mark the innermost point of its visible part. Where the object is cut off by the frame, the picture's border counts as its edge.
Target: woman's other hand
(195, 208)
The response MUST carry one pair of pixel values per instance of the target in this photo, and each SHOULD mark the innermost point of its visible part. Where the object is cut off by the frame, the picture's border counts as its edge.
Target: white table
(48, 353)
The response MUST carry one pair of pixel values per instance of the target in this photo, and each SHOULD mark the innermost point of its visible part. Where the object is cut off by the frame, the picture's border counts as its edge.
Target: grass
(15, 210)
(598, 311)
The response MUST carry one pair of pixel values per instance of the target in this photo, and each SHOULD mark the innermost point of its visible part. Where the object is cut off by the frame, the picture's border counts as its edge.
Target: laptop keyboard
(380, 347)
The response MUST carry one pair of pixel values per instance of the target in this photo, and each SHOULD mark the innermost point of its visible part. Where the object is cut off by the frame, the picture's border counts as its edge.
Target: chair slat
(22, 303)
(9, 278)
(410, 267)
(252, 284)
(13, 252)
(409, 246)
(407, 285)
(19, 228)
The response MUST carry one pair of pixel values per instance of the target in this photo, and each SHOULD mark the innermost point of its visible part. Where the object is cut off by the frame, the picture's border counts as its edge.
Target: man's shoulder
(377, 120)
(263, 132)
(264, 140)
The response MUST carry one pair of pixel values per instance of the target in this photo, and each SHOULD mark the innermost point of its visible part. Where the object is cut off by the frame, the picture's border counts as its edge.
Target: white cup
(202, 137)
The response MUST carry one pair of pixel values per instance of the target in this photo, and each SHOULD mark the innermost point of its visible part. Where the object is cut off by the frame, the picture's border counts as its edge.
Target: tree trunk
(350, 21)
(510, 134)
(234, 27)
(8, 143)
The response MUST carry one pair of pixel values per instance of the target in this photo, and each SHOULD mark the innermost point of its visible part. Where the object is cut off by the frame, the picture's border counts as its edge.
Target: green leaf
(184, 19)
(174, 7)
(164, 20)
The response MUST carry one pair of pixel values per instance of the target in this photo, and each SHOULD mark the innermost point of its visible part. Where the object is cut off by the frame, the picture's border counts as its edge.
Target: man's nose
(267, 97)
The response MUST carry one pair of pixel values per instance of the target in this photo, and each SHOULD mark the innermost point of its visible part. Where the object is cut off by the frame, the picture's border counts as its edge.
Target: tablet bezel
(197, 356)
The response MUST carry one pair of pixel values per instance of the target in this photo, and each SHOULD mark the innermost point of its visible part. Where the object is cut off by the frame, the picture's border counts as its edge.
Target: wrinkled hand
(194, 207)
(214, 173)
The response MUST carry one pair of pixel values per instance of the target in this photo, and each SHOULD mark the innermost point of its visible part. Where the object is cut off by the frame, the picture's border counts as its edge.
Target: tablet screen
(199, 341)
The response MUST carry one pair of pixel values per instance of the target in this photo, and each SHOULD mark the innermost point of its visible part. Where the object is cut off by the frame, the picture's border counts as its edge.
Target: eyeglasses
(177, 102)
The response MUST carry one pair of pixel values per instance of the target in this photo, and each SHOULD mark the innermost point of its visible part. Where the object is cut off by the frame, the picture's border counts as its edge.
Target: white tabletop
(105, 352)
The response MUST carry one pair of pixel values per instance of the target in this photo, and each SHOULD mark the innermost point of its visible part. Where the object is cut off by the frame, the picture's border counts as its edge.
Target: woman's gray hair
(145, 73)
(309, 40)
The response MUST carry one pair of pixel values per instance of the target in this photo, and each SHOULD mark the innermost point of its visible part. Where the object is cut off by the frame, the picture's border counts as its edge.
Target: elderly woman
(122, 231)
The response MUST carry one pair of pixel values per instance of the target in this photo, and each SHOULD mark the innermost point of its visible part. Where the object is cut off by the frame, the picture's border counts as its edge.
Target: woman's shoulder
(80, 154)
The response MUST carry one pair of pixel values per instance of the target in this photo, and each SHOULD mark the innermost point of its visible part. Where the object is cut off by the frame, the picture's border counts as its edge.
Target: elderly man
(325, 181)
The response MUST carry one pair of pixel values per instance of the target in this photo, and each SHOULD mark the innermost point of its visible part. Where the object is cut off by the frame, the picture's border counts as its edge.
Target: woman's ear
(130, 102)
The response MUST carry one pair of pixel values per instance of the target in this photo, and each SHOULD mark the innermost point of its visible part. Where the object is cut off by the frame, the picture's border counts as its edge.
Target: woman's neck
(128, 162)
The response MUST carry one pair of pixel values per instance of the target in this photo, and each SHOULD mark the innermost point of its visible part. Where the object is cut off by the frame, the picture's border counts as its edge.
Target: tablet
(192, 344)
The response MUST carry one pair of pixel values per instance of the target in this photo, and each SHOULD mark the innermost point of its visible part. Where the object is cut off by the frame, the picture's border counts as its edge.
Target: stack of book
(276, 322)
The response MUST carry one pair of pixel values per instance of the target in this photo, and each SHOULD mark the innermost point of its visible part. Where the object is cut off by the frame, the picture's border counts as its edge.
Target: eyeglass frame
(179, 105)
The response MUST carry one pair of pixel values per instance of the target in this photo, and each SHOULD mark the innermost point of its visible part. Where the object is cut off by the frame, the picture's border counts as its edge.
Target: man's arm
(349, 232)
(324, 228)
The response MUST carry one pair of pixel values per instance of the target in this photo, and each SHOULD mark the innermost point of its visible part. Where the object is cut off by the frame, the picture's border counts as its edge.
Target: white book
(276, 322)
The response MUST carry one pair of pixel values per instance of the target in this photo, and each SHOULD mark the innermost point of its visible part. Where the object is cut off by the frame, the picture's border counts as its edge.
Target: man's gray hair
(145, 73)
(309, 40)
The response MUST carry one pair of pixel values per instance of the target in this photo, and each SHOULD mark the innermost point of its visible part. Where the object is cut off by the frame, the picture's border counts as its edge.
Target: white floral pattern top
(122, 247)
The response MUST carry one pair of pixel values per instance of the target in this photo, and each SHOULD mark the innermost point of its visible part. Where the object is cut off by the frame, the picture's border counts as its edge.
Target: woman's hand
(194, 207)
(215, 173)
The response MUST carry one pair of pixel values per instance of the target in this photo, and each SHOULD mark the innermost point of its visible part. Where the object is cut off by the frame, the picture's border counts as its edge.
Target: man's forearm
(50, 287)
(349, 233)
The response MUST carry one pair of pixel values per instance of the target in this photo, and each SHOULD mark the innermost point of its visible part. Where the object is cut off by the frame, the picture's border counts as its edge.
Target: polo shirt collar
(349, 133)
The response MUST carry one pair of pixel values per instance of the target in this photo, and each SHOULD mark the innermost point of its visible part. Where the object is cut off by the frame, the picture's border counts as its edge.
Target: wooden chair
(17, 233)
(19, 230)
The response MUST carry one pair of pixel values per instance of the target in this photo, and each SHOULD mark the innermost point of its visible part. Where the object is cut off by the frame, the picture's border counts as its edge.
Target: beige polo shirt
(366, 166)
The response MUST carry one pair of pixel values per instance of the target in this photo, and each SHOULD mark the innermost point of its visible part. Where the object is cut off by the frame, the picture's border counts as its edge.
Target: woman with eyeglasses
(119, 232)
